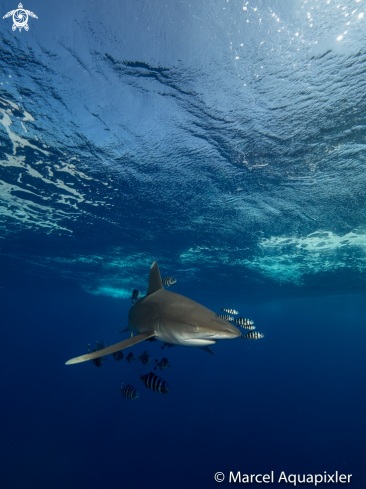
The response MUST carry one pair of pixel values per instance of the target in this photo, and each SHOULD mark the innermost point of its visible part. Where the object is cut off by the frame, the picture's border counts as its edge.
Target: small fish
(129, 392)
(229, 311)
(167, 281)
(163, 364)
(130, 358)
(135, 295)
(118, 355)
(225, 316)
(145, 358)
(244, 323)
(253, 335)
(155, 383)
(169, 345)
(98, 362)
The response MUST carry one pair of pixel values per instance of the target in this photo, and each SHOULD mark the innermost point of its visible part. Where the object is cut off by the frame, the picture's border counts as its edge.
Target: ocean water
(226, 141)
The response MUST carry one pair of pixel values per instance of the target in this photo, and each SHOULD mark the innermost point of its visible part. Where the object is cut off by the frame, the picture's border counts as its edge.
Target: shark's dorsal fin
(154, 279)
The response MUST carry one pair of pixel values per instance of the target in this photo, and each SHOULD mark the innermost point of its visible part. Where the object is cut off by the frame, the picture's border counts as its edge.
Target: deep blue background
(294, 401)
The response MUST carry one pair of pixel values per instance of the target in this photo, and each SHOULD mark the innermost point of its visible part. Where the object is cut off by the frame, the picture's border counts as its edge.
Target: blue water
(226, 141)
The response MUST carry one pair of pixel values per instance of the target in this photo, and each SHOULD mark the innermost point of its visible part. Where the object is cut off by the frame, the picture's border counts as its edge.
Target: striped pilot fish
(244, 323)
(155, 383)
(118, 355)
(98, 362)
(145, 358)
(253, 335)
(229, 311)
(130, 357)
(225, 316)
(167, 281)
(136, 294)
(129, 392)
(163, 364)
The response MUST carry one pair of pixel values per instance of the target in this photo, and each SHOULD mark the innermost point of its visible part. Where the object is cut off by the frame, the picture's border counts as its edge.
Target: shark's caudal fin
(111, 349)
(154, 279)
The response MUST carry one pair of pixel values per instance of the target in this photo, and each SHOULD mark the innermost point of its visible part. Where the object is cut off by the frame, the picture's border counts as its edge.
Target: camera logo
(20, 18)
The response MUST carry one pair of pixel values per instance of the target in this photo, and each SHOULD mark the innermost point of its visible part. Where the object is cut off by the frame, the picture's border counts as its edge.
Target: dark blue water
(293, 401)
(226, 141)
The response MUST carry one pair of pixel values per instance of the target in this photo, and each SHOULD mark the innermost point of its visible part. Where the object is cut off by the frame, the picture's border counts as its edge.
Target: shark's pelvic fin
(207, 348)
(111, 349)
(154, 279)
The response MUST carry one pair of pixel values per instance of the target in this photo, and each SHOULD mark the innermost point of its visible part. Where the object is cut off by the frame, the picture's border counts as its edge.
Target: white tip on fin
(111, 349)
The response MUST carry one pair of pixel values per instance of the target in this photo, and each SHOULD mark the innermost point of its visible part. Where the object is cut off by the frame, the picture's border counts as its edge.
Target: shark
(171, 318)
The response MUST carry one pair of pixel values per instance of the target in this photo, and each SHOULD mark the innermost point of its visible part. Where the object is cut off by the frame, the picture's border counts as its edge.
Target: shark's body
(170, 318)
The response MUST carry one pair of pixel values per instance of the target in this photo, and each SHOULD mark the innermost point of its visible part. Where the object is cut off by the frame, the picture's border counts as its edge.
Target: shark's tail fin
(154, 279)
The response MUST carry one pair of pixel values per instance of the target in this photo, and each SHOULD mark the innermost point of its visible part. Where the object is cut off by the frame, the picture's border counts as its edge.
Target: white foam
(17, 140)
(290, 258)
(25, 212)
(117, 293)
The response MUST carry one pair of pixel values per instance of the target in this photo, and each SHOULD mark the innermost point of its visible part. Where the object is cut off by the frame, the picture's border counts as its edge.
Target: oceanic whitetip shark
(170, 318)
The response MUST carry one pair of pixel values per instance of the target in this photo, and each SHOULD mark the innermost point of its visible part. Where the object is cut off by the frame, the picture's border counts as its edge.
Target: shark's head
(206, 331)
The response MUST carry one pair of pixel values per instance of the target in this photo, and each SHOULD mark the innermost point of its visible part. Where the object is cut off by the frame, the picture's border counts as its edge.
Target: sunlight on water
(210, 153)
(111, 292)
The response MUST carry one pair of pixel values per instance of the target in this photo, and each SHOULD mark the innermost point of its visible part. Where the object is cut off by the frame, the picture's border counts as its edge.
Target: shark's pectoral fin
(111, 349)
(206, 348)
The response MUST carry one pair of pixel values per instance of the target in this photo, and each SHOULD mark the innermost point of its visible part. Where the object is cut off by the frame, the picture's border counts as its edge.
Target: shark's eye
(196, 330)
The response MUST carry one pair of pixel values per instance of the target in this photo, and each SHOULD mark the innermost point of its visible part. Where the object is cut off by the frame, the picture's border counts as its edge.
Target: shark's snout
(226, 332)
(233, 332)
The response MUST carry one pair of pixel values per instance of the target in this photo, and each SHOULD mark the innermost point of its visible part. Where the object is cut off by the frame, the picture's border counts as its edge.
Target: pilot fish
(118, 355)
(135, 295)
(163, 364)
(155, 383)
(229, 311)
(244, 323)
(253, 335)
(129, 392)
(167, 281)
(130, 358)
(225, 316)
(98, 362)
(145, 358)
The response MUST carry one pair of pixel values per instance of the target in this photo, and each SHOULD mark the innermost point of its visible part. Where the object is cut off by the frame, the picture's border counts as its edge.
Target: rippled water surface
(207, 135)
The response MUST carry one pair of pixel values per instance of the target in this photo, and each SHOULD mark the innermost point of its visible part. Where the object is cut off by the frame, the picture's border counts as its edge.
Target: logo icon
(20, 18)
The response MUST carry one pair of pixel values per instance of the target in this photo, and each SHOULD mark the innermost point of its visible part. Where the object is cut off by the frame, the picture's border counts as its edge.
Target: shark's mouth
(197, 341)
